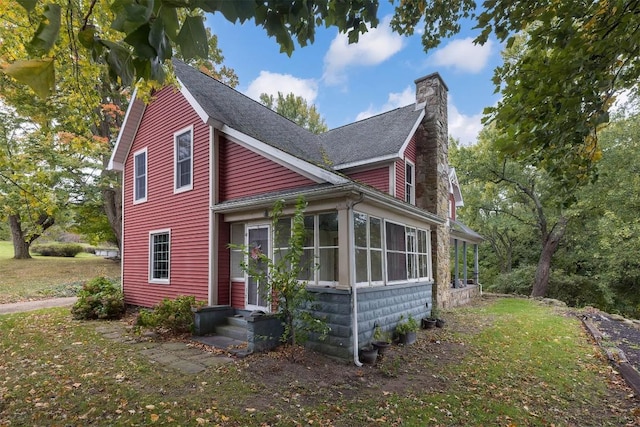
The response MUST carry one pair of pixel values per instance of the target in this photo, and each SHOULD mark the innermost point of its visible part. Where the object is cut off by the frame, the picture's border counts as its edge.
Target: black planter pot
(440, 323)
(428, 323)
(381, 346)
(408, 338)
(369, 354)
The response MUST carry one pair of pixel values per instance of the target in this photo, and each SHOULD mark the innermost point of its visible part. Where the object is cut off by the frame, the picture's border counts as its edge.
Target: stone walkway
(187, 358)
(181, 356)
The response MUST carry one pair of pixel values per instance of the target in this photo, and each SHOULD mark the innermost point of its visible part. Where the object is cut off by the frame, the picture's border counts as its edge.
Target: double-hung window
(410, 183)
(140, 176)
(183, 159)
(159, 256)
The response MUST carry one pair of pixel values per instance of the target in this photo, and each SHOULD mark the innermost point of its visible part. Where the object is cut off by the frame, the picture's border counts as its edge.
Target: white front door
(256, 292)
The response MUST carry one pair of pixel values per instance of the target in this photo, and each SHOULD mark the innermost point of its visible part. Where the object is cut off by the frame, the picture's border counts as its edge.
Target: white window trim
(177, 189)
(151, 279)
(146, 176)
(412, 195)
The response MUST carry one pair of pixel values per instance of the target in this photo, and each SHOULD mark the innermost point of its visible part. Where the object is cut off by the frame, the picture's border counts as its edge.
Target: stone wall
(377, 306)
(460, 296)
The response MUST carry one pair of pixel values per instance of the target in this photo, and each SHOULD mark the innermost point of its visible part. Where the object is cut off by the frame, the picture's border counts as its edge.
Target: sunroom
(368, 258)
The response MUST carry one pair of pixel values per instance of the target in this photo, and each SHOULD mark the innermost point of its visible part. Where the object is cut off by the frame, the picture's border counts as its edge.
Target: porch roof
(352, 190)
(462, 232)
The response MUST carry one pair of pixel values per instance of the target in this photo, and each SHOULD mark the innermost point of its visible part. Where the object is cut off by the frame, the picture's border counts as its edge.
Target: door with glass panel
(257, 289)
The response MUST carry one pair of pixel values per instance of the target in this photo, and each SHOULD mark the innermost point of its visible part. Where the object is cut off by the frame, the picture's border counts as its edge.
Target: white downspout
(352, 279)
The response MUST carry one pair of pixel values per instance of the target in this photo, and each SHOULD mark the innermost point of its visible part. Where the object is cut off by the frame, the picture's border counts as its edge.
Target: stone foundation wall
(377, 306)
(455, 297)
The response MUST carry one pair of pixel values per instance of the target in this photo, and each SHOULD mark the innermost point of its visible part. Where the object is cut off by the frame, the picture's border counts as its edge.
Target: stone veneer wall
(461, 296)
(432, 174)
(376, 306)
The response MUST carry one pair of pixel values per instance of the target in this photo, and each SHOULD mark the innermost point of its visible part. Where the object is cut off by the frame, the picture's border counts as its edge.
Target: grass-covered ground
(504, 362)
(45, 277)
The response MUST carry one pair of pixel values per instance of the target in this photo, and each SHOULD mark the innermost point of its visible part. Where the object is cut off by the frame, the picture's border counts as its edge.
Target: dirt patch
(311, 377)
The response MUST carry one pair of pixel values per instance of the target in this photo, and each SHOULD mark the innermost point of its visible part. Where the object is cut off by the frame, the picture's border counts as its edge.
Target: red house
(203, 165)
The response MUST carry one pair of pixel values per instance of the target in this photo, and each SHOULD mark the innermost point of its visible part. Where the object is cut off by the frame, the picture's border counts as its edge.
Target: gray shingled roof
(243, 114)
(372, 138)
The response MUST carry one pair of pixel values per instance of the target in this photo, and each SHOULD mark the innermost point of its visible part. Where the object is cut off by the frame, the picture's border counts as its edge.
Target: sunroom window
(320, 247)
(368, 245)
(407, 250)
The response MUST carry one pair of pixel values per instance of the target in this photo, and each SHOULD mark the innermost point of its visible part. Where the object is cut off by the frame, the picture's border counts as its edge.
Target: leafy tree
(147, 32)
(296, 109)
(609, 237)
(87, 104)
(40, 174)
(515, 203)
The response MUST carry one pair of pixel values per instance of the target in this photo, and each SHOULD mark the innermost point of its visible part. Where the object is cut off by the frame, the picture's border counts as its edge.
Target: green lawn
(497, 363)
(44, 277)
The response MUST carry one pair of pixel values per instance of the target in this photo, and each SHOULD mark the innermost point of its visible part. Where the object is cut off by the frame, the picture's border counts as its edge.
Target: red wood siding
(237, 295)
(186, 214)
(410, 155)
(224, 264)
(378, 178)
(244, 173)
(410, 150)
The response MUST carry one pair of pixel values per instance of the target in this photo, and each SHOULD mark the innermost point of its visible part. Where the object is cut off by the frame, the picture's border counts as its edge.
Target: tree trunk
(113, 208)
(549, 248)
(20, 245)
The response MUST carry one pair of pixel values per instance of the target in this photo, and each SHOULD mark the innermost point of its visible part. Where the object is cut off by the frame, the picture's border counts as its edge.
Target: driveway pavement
(17, 307)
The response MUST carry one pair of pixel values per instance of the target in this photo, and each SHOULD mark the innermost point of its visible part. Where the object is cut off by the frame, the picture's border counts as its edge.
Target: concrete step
(238, 320)
(236, 332)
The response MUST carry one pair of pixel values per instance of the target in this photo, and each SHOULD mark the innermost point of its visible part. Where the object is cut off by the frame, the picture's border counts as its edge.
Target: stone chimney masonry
(432, 174)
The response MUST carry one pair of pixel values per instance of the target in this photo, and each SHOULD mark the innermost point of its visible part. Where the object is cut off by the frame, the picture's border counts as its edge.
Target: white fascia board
(192, 101)
(306, 169)
(366, 162)
(414, 128)
(120, 143)
(454, 187)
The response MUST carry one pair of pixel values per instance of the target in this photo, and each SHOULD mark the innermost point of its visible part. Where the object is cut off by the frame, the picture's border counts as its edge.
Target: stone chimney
(432, 175)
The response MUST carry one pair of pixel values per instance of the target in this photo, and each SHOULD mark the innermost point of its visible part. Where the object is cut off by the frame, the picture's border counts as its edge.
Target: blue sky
(352, 82)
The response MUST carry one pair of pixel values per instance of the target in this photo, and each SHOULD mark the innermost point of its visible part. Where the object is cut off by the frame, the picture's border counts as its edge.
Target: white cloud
(462, 127)
(463, 55)
(395, 100)
(374, 47)
(272, 83)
